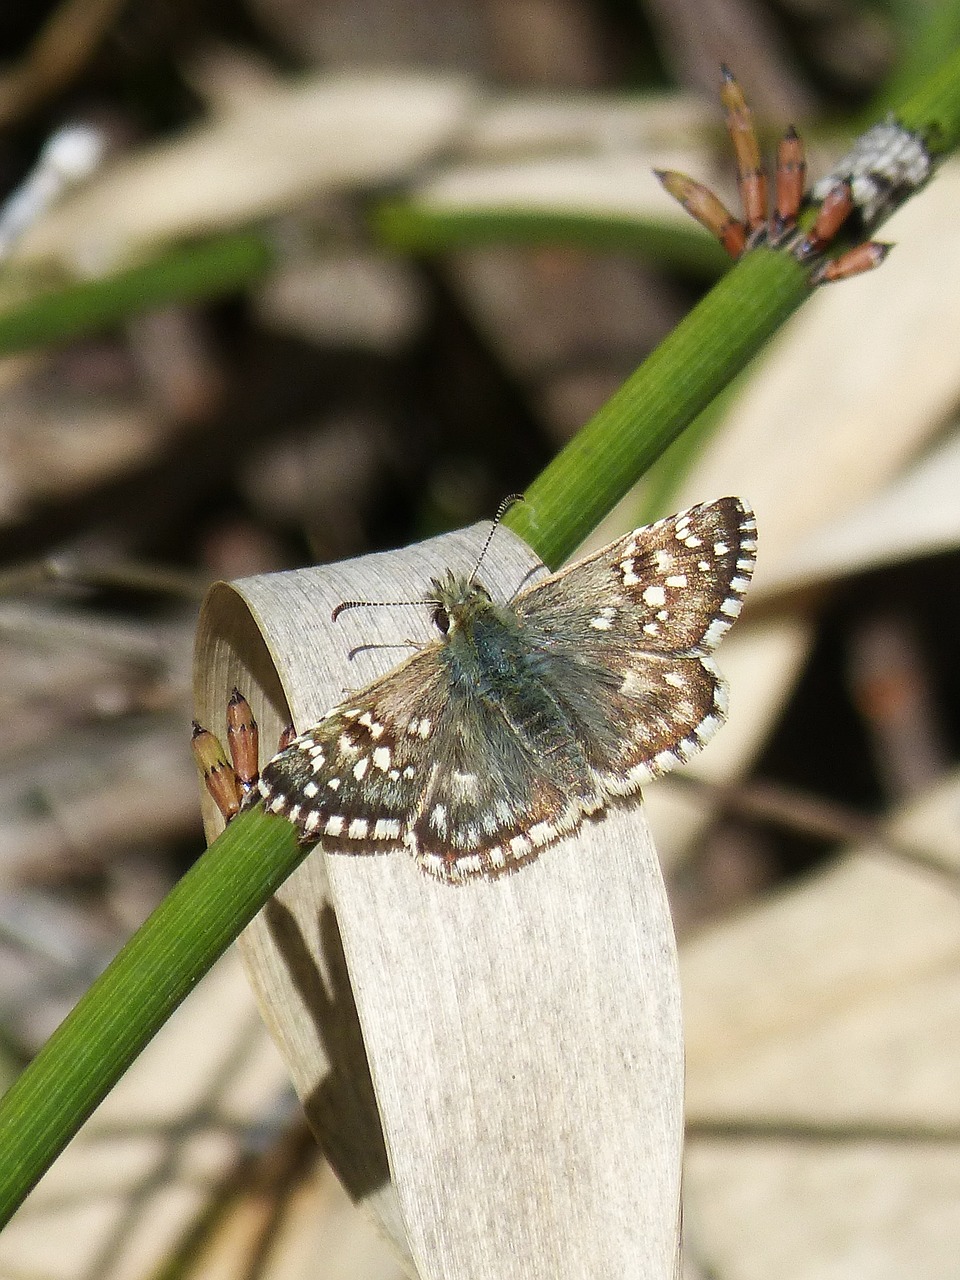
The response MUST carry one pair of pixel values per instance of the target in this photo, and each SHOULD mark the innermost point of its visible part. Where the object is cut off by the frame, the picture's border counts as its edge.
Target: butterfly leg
(739, 235)
(230, 781)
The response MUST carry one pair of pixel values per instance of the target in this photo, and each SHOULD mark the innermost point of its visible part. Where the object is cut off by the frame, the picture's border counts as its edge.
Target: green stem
(185, 273)
(933, 110)
(689, 368)
(410, 226)
(136, 994)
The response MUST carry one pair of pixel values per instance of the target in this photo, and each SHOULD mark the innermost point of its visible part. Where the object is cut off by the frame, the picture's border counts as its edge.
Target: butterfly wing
(493, 801)
(353, 779)
(417, 760)
(626, 636)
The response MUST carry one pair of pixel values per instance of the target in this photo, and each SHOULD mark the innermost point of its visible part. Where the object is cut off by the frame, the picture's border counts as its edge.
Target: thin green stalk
(185, 273)
(136, 994)
(681, 377)
(924, 32)
(409, 226)
(933, 110)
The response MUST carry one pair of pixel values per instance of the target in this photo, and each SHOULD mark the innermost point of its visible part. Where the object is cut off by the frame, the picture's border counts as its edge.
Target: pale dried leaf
(304, 139)
(522, 1034)
(610, 183)
(515, 124)
(835, 1005)
(917, 515)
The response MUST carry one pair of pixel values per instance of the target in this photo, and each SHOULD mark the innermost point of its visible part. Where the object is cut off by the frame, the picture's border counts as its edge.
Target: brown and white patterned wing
(353, 779)
(417, 761)
(627, 635)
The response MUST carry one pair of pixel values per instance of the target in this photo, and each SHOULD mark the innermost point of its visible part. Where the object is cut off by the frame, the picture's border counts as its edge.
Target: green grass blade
(184, 273)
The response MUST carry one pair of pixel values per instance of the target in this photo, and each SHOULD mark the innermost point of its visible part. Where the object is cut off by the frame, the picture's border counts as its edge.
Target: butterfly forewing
(524, 718)
(355, 778)
(630, 630)
(674, 586)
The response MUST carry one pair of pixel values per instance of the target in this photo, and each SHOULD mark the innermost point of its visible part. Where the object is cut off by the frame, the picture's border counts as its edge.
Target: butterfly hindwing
(415, 761)
(493, 802)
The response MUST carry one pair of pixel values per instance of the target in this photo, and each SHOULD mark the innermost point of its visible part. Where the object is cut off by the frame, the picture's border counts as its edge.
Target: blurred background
(341, 274)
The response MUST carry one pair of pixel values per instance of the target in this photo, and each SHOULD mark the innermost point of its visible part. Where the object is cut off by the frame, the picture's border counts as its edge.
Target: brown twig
(56, 55)
(812, 815)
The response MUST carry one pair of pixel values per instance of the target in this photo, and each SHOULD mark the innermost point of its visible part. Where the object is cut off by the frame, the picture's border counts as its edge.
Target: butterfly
(523, 718)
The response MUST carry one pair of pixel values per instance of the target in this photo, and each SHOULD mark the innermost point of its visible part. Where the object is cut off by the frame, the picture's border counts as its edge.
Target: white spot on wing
(541, 832)
(386, 829)
(376, 730)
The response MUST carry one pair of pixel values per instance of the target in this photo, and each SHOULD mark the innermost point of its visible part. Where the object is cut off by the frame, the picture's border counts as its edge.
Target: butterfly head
(456, 600)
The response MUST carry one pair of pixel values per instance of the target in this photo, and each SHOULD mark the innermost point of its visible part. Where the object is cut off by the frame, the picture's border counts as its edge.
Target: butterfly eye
(441, 619)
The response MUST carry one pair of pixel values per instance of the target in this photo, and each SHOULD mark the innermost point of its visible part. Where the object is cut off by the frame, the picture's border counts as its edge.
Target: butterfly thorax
(488, 657)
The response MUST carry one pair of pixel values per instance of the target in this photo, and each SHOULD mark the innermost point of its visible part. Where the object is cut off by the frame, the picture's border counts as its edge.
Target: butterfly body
(524, 717)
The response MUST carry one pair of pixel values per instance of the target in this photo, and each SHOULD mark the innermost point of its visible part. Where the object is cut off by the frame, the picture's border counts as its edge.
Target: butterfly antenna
(502, 510)
(374, 604)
